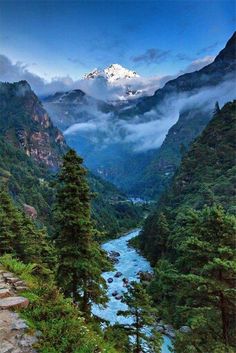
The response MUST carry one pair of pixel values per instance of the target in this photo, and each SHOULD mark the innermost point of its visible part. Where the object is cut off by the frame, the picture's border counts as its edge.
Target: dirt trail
(14, 332)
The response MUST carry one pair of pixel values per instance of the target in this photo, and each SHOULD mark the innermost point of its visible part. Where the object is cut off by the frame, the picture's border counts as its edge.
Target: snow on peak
(112, 73)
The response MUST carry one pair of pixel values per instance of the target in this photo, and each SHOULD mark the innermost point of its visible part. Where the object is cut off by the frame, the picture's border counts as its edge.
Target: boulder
(4, 293)
(12, 280)
(114, 253)
(119, 297)
(185, 329)
(169, 331)
(110, 280)
(125, 280)
(160, 328)
(14, 303)
(115, 293)
(118, 274)
(145, 276)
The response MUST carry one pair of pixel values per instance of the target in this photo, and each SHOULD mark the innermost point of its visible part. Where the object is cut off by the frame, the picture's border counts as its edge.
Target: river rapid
(130, 263)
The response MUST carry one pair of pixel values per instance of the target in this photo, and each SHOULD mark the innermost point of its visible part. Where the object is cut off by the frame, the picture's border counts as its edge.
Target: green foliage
(194, 281)
(61, 324)
(20, 237)
(80, 258)
(198, 289)
(206, 176)
(141, 312)
(30, 182)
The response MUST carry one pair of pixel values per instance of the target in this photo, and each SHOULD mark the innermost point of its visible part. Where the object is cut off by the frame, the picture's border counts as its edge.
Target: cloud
(152, 55)
(147, 131)
(208, 48)
(197, 64)
(184, 57)
(98, 88)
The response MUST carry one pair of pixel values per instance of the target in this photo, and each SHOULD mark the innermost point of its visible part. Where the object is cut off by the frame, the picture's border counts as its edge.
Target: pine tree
(141, 312)
(36, 247)
(206, 262)
(163, 232)
(80, 258)
(10, 225)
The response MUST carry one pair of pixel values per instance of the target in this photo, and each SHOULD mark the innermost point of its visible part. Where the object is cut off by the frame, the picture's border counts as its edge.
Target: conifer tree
(10, 225)
(140, 310)
(80, 258)
(206, 258)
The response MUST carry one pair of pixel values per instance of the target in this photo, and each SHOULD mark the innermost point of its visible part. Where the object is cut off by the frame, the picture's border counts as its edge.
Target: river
(130, 263)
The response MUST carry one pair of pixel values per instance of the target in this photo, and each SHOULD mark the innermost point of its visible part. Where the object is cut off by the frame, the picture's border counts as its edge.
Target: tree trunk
(85, 304)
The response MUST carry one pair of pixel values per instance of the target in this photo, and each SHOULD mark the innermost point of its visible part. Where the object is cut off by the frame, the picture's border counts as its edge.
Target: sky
(54, 39)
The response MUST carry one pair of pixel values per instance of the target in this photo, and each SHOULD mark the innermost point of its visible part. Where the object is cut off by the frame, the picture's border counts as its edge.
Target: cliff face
(25, 123)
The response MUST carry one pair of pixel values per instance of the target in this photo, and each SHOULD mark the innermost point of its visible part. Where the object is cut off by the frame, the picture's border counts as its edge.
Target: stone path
(14, 337)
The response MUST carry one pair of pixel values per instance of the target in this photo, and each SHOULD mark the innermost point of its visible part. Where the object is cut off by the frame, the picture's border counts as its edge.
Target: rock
(185, 329)
(12, 280)
(114, 253)
(21, 289)
(118, 274)
(110, 280)
(14, 302)
(7, 274)
(125, 280)
(114, 294)
(160, 328)
(169, 331)
(30, 211)
(27, 341)
(119, 297)
(6, 347)
(168, 327)
(19, 325)
(19, 283)
(145, 276)
(4, 292)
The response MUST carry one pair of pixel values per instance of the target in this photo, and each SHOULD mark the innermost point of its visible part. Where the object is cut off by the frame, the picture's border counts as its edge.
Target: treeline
(190, 239)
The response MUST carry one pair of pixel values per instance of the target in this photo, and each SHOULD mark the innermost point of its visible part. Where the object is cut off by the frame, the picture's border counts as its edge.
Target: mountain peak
(112, 73)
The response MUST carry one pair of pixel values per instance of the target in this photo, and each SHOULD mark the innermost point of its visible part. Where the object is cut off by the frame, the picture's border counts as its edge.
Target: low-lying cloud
(147, 131)
(98, 88)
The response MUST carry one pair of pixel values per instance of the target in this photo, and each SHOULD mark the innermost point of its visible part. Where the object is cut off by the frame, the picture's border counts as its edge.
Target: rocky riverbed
(127, 266)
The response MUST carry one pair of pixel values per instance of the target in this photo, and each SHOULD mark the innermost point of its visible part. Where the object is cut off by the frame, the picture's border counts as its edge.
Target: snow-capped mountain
(112, 73)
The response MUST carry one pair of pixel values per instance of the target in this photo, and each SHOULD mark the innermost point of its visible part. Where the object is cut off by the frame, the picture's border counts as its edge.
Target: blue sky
(59, 38)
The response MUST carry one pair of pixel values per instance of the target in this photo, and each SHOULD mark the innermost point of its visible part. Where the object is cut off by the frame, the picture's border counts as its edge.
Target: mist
(147, 131)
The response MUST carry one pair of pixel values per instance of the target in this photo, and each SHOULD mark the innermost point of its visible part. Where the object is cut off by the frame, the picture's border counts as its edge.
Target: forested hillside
(190, 239)
(31, 149)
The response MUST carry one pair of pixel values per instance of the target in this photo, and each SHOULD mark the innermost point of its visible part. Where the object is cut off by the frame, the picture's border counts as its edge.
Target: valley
(117, 177)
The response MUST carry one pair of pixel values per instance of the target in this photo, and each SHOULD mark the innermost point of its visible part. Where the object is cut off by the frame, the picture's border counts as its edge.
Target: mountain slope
(205, 176)
(31, 149)
(199, 91)
(26, 124)
(127, 139)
